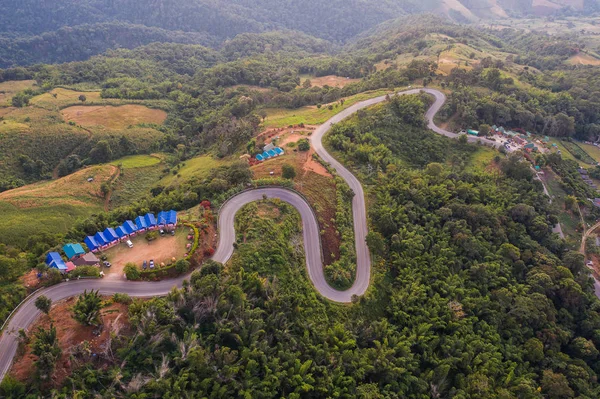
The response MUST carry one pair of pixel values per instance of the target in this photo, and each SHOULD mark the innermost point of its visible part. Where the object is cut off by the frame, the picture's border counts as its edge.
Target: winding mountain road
(27, 312)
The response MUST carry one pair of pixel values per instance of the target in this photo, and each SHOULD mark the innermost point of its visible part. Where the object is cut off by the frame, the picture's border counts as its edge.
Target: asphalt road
(27, 313)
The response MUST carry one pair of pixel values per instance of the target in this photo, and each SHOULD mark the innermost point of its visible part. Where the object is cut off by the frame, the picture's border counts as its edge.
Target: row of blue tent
(275, 152)
(141, 223)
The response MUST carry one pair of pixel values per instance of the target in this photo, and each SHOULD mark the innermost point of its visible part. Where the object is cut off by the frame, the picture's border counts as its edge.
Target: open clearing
(330, 80)
(139, 174)
(311, 115)
(113, 117)
(9, 88)
(51, 206)
(70, 334)
(161, 250)
(62, 97)
(583, 59)
(137, 161)
(73, 189)
(195, 167)
(592, 151)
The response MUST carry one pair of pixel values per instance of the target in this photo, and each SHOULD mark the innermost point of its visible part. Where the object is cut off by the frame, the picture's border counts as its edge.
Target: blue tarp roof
(120, 232)
(150, 220)
(167, 217)
(140, 222)
(265, 155)
(259, 157)
(272, 153)
(279, 150)
(91, 243)
(72, 250)
(53, 257)
(129, 227)
(100, 239)
(58, 264)
(110, 234)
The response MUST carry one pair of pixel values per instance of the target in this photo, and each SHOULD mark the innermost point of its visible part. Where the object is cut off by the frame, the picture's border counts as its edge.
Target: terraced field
(113, 117)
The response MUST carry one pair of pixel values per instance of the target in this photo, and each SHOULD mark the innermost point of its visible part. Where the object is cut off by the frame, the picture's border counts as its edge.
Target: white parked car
(129, 243)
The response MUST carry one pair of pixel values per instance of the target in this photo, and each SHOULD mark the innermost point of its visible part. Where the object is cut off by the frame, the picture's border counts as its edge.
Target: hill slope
(76, 30)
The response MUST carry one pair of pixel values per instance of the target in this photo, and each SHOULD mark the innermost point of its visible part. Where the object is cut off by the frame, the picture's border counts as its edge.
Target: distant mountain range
(68, 30)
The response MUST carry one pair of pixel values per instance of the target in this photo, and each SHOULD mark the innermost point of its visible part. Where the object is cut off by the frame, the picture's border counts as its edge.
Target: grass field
(592, 150)
(113, 117)
(565, 153)
(481, 159)
(139, 174)
(134, 183)
(9, 88)
(11, 126)
(311, 115)
(60, 97)
(136, 161)
(199, 166)
(51, 206)
(578, 152)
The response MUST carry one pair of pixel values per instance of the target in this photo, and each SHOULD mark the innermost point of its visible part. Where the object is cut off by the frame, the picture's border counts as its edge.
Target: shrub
(122, 298)
(195, 244)
(182, 266)
(211, 267)
(132, 272)
(43, 303)
(53, 277)
(288, 171)
(151, 236)
(85, 271)
(303, 145)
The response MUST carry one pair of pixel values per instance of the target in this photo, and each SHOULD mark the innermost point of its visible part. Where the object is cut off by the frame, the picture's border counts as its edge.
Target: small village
(91, 252)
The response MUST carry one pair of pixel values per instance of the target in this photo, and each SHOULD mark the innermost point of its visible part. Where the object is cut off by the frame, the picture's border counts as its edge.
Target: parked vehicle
(151, 263)
(145, 265)
(172, 232)
(162, 232)
(106, 264)
(129, 243)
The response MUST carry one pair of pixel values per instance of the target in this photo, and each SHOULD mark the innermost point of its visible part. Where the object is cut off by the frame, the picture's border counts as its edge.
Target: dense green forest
(472, 297)
(33, 31)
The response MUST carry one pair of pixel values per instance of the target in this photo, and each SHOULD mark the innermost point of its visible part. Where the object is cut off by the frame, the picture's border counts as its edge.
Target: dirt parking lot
(163, 249)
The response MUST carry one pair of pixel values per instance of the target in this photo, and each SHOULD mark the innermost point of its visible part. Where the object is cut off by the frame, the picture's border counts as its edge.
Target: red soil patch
(331, 81)
(319, 188)
(583, 59)
(31, 281)
(71, 333)
(284, 136)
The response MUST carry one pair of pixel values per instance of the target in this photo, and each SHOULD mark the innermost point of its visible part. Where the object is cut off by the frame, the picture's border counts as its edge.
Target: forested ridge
(79, 29)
